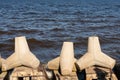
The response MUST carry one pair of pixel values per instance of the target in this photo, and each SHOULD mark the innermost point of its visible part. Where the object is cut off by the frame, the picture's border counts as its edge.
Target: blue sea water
(48, 23)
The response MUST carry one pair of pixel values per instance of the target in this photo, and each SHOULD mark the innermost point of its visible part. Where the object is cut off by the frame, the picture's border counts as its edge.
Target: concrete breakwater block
(95, 56)
(21, 56)
(64, 66)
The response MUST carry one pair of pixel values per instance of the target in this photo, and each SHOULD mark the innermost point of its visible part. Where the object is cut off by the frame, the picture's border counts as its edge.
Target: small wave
(30, 13)
(6, 47)
(78, 13)
(42, 43)
(3, 45)
(19, 32)
(109, 27)
(111, 16)
(117, 6)
(46, 19)
(80, 41)
(61, 12)
(57, 29)
(3, 32)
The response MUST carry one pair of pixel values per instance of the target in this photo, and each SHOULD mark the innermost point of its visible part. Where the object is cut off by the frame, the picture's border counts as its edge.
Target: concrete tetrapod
(66, 61)
(95, 56)
(67, 58)
(21, 56)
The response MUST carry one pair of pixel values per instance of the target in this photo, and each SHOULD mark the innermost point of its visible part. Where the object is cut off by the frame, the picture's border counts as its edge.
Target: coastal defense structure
(64, 66)
(96, 64)
(24, 63)
(21, 56)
